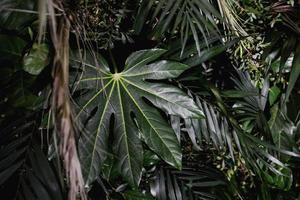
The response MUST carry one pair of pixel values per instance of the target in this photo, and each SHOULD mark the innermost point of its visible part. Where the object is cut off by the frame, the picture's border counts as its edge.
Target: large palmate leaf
(125, 100)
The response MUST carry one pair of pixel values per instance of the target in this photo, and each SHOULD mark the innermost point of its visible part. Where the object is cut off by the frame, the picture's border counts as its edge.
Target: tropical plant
(122, 96)
(119, 99)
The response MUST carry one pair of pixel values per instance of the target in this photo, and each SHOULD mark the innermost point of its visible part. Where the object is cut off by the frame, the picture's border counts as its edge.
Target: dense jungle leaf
(140, 125)
(192, 182)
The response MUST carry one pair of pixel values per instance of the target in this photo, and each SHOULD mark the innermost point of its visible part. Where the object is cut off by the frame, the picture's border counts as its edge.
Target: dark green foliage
(189, 18)
(121, 95)
(169, 100)
(192, 182)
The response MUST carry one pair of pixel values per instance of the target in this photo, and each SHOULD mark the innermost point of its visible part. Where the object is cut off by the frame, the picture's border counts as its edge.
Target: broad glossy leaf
(125, 100)
(37, 59)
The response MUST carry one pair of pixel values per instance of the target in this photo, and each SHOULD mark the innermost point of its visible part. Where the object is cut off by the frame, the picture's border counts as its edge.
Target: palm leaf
(228, 10)
(187, 17)
(261, 153)
(222, 128)
(210, 48)
(23, 162)
(38, 181)
(194, 181)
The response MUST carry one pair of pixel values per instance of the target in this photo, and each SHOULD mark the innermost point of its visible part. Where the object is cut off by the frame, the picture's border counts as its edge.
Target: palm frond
(228, 9)
(222, 129)
(23, 166)
(252, 105)
(259, 141)
(210, 48)
(194, 181)
(186, 17)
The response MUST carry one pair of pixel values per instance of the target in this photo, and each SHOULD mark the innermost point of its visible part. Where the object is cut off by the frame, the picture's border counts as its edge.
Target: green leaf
(294, 74)
(189, 18)
(287, 48)
(273, 94)
(109, 169)
(193, 180)
(140, 58)
(283, 181)
(11, 46)
(150, 158)
(238, 93)
(125, 102)
(143, 11)
(37, 59)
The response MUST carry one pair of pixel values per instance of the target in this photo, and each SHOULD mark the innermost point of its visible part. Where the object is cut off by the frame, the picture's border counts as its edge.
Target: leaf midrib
(91, 66)
(149, 72)
(143, 60)
(140, 109)
(131, 83)
(124, 129)
(92, 99)
(98, 129)
(93, 79)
